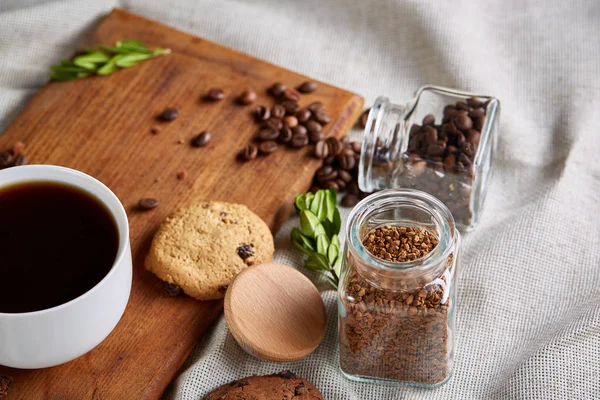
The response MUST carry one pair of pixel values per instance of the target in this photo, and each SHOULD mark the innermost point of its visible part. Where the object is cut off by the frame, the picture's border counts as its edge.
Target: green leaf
(317, 262)
(90, 60)
(133, 46)
(337, 267)
(129, 60)
(114, 50)
(322, 244)
(331, 281)
(334, 249)
(110, 66)
(67, 68)
(315, 205)
(331, 201)
(160, 51)
(310, 225)
(302, 242)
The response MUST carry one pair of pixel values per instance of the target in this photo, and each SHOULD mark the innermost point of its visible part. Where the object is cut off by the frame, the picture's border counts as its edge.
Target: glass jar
(396, 319)
(441, 142)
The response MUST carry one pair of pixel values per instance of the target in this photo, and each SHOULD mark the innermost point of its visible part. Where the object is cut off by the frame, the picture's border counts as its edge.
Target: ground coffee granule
(403, 334)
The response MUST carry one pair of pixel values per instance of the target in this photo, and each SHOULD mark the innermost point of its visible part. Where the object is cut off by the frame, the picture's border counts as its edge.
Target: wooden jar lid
(275, 313)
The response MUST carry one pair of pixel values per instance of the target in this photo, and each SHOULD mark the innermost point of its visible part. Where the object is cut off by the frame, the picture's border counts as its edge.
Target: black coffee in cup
(56, 243)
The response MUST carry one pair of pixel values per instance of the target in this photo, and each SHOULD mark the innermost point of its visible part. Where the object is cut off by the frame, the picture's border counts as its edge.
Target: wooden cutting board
(101, 126)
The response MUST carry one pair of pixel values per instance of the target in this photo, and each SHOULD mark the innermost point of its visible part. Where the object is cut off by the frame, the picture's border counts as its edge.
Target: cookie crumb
(287, 374)
(5, 385)
(222, 288)
(173, 290)
(155, 130)
(181, 175)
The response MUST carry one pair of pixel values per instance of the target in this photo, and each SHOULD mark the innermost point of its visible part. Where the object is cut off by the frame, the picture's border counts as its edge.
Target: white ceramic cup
(60, 334)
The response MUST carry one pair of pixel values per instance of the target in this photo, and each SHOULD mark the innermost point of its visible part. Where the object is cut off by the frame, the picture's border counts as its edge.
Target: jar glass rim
(448, 235)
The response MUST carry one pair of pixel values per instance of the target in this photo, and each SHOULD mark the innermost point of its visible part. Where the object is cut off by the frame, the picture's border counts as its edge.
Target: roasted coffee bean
(285, 135)
(248, 96)
(463, 122)
(299, 141)
(169, 114)
(478, 112)
(291, 107)
(173, 290)
(308, 87)
(277, 89)
(267, 133)
(300, 130)
(274, 123)
(147, 204)
(364, 117)
(315, 106)
(314, 189)
(349, 200)
(449, 113)
(331, 184)
(329, 160)
(461, 105)
(459, 139)
(466, 160)
(290, 121)
(335, 146)
(449, 162)
(435, 150)
(478, 123)
(451, 149)
(21, 159)
(429, 120)
(249, 153)
(262, 113)
(5, 159)
(326, 173)
(313, 126)
(202, 139)
(474, 137)
(347, 161)
(314, 137)
(267, 147)
(341, 183)
(215, 94)
(321, 150)
(345, 176)
(321, 117)
(356, 146)
(353, 188)
(278, 111)
(474, 102)
(449, 127)
(291, 94)
(303, 115)
(442, 135)
(430, 135)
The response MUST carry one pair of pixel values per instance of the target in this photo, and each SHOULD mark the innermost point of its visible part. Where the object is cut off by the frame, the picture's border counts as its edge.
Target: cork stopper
(275, 313)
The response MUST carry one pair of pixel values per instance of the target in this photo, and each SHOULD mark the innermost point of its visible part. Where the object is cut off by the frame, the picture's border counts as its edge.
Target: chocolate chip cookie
(203, 247)
(282, 386)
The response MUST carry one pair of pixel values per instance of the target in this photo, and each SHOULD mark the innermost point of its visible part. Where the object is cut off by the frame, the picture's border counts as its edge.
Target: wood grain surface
(275, 312)
(101, 126)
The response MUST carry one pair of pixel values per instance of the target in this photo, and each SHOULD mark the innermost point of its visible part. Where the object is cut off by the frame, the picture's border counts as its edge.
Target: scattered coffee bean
(215, 94)
(346, 160)
(277, 89)
(155, 130)
(321, 117)
(353, 188)
(356, 146)
(321, 150)
(290, 121)
(5, 159)
(299, 141)
(262, 113)
(267, 133)
(268, 147)
(248, 96)
(345, 176)
(326, 173)
(335, 146)
(303, 115)
(274, 123)
(331, 185)
(249, 152)
(340, 183)
(202, 139)
(169, 114)
(147, 204)
(329, 160)
(313, 126)
(308, 87)
(291, 94)
(173, 290)
(300, 130)
(21, 159)
(285, 135)
(314, 137)
(349, 200)
(316, 106)
(278, 111)
(291, 107)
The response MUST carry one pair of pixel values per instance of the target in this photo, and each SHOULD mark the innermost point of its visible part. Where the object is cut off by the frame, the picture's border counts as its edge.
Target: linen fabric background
(528, 310)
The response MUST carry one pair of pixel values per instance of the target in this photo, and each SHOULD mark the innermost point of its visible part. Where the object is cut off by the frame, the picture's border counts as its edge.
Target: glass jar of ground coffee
(396, 293)
(441, 142)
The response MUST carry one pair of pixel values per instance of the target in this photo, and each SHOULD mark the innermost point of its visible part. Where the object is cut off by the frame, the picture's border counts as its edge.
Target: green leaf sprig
(318, 235)
(104, 60)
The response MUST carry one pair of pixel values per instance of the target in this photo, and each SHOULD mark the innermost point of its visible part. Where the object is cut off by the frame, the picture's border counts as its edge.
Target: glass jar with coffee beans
(396, 295)
(441, 142)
